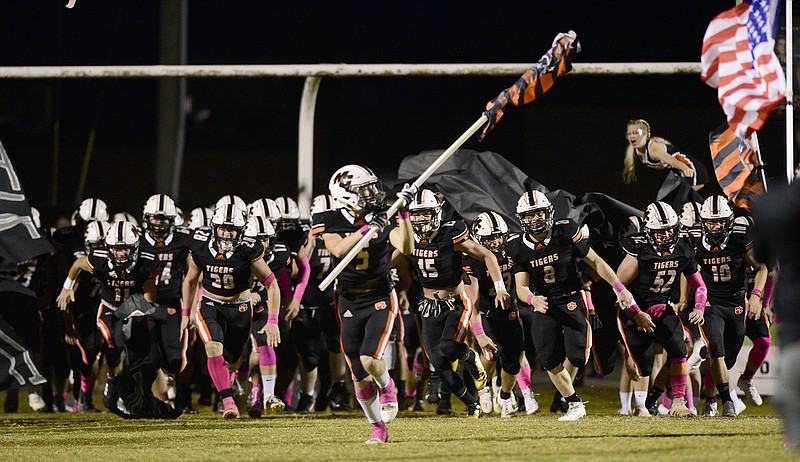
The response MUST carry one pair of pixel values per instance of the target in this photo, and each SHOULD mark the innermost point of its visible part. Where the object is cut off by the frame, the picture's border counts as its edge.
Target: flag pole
(790, 175)
(400, 202)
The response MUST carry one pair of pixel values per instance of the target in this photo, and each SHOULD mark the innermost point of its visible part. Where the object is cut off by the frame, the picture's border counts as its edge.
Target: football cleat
(255, 405)
(444, 407)
(273, 404)
(476, 371)
(710, 410)
(434, 388)
(679, 409)
(305, 405)
(111, 393)
(379, 434)
(641, 411)
(728, 409)
(231, 412)
(559, 404)
(577, 409)
(695, 359)
(85, 405)
(36, 402)
(531, 405)
(507, 407)
(750, 391)
(738, 404)
(339, 397)
(388, 399)
(474, 410)
(172, 389)
(485, 397)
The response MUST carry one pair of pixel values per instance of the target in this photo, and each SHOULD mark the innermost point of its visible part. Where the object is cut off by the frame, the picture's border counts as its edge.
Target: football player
(227, 259)
(366, 300)
(658, 258)
(546, 270)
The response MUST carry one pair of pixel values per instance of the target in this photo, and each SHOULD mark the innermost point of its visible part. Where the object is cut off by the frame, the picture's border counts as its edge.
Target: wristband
(69, 283)
(634, 309)
(403, 214)
(363, 230)
(619, 287)
(528, 300)
(186, 311)
(500, 286)
(757, 293)
(272, 319)
(268, 280)
(477, 329)
(588, 298)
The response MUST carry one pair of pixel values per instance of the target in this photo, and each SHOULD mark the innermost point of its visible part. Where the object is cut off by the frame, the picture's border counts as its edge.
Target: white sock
(639, 397)
(625, 400)
(372, 408)
(383, 380)
(269, 384)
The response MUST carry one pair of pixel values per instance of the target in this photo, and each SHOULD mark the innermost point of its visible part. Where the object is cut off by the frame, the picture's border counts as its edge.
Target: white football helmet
(288, 208)
(241, 205)
(179, 220)
(159, 216)
(91, 209)
(37, 217)
(690, 214)
(425, 212)
(661, 225)
(491, 230)
(717, 217)
(267, 207)
(321, 203)
(535, 212)
(95, 235)
(124, 216)
(122, 241)
(357, 188)
(200, 217)
(227, 225)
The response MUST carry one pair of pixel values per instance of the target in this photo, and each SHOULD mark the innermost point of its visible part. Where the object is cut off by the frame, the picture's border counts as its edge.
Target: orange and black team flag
(737, 165)
(536, 80)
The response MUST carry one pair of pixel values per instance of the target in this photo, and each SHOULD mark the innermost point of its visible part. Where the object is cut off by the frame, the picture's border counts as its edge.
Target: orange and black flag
(536, 80)
(737, 166)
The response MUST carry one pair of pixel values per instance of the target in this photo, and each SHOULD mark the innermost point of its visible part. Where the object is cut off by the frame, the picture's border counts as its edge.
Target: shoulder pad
(100, 253)
(280, 247)
(147, 256)
(512, 237)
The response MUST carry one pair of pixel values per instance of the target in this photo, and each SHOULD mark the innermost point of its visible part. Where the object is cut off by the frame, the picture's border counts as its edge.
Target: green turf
(756, 435)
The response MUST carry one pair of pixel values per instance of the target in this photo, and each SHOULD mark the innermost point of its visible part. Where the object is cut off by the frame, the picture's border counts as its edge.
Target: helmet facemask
(717, 230)
(227, 237)
(425, 221)
(663, 239)
(537, 221)
(495, 243)
(159, 226)
(370, 196)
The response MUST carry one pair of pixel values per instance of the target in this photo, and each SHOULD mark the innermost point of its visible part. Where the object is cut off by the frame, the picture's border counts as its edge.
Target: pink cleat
(379, 434)
(388, 400)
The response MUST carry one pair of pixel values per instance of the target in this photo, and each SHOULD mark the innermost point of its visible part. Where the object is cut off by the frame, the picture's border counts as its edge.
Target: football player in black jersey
(366, 301)
(503, 326)
(446, 311)
(170, 244)
(658, 258)
(546, 271)
(227, 260)
(724, 254)
(123, 272)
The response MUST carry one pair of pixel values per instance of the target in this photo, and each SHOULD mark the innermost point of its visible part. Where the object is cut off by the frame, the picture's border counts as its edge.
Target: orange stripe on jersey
(317, 230)
(637, 368)
(578, 236)
(588, 351)
(202, 327)
(83, 352)
(461, 237)
(463, 323)
(387, 329)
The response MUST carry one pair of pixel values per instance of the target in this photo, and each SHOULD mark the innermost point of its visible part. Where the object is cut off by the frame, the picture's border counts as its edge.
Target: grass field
(755, 435)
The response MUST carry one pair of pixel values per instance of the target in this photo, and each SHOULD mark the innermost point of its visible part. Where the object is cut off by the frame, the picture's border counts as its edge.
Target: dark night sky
(242, 131)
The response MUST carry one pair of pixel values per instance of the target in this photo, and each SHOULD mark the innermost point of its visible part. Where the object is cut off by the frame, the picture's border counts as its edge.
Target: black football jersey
(553, 263)
(87, 291)
(321, 263)
(478, 269)
(659, 272)
(293, 233)
(280, 257)
(724, 268)
(171, 255)
(373, 261)
(437, 264)
(70, 241)
(119, 283)
(225, 275)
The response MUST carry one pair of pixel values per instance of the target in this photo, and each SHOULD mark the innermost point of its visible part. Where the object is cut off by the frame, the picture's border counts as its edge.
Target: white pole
(790, 175)
(399, 203)
(305, 145)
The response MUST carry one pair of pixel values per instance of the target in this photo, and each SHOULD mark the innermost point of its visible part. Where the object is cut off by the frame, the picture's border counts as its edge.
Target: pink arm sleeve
(700, 290)
(285, 282)
(303, 273)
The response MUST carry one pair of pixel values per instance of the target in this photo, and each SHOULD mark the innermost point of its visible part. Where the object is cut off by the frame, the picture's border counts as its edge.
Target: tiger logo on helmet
(357, 188)
(491, 231)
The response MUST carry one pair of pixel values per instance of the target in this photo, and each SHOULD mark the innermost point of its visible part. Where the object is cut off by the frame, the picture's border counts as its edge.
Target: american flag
(739, 60)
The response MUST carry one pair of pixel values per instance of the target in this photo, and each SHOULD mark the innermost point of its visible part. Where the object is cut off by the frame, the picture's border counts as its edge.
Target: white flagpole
(400, 203)
(790, 175)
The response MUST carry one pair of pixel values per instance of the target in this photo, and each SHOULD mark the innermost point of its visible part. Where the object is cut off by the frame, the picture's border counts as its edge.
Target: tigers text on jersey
(119, 282)
(724, 268)
(552, 264)
(229, 274)
(171, 256)
(321, 263)
(658, 272)
(373, 261)
(436, 262)
(478, 269)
